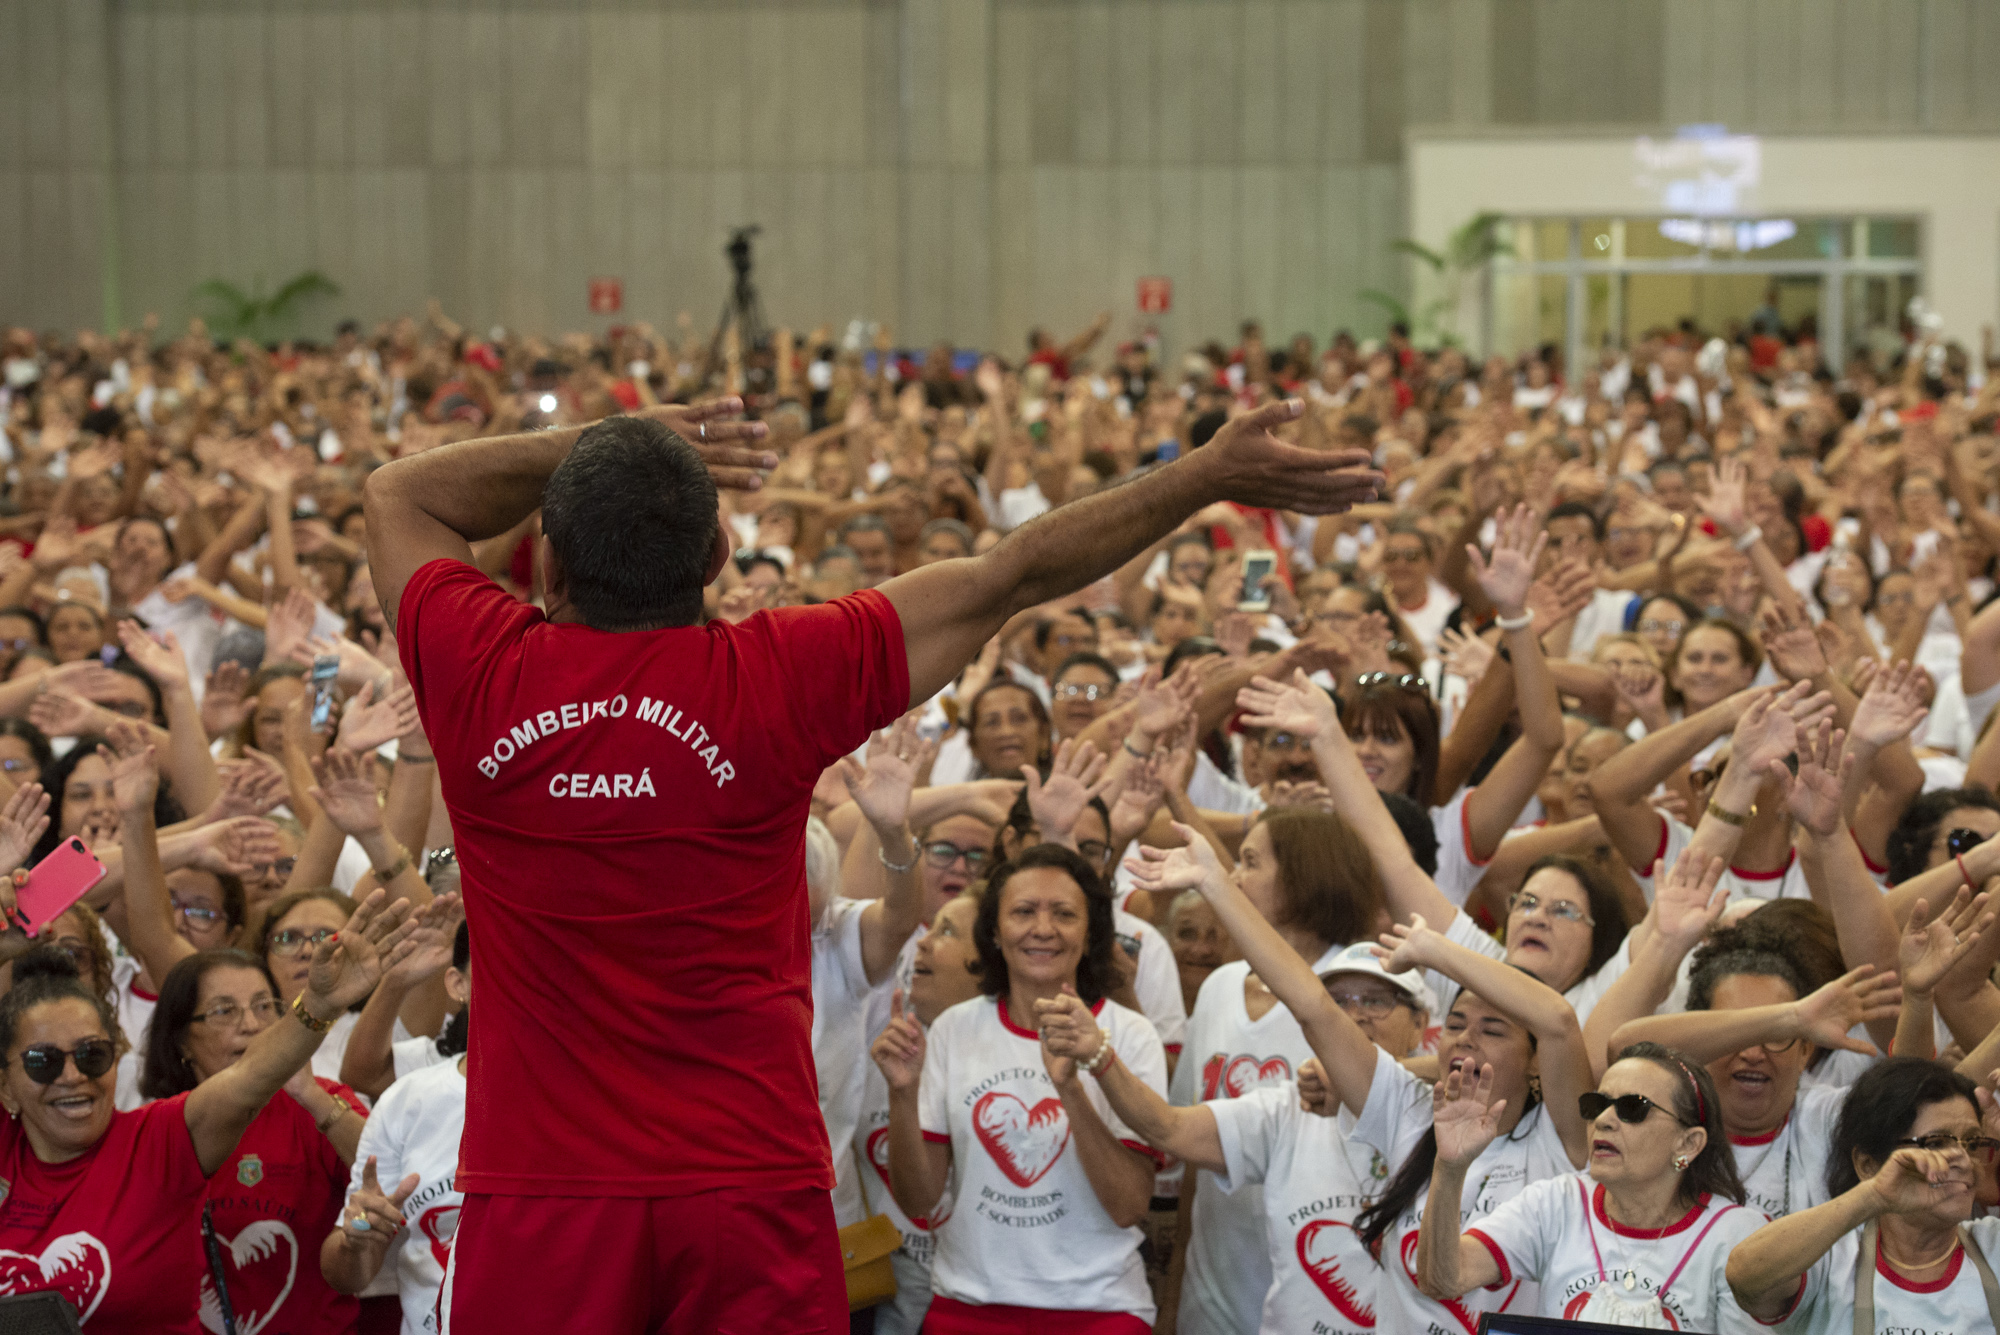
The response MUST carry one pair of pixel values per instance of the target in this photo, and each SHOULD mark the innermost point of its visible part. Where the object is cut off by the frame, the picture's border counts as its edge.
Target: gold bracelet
(326, 1123)
(1736, 818)
(402, 864)
(307, 1018)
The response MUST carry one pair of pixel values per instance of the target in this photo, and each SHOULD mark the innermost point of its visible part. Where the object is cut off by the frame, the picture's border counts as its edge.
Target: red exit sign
(1156, 295)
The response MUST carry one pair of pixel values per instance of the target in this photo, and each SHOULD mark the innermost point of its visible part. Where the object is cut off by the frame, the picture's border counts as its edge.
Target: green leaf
(1421, 251)
(1397, 310)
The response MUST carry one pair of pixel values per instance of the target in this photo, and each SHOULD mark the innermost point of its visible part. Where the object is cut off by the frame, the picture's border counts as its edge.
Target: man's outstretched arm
(950, 609)
(438, 503)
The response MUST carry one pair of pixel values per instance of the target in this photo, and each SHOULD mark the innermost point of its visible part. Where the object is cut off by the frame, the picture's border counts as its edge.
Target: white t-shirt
(1532, 1152)
(1787, 882)
(1228, 1056)
(1955, 1305)
(333, 1048)
(1548, 1233)
(1026, 1228)
(1603, 615)
(1157, 981)
(1212, 790)
(840, 1042)
(415, 1129)
(410, 1055)
(1427, 621)
(1458, 871)
(1313, 1179)
(1785, 1171)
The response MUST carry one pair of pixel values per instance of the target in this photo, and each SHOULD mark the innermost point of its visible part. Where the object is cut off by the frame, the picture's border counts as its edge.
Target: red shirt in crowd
(629, 813)
(116, 1230)
(275, 1200)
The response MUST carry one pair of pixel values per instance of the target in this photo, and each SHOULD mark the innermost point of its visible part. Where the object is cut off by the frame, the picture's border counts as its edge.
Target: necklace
(1632, 1271)
(1908, 1266)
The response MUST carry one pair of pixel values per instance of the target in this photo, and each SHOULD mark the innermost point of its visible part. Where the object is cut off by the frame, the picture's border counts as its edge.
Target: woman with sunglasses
(1280, 1187)
(106, 1205)
(1640, 1239)
(1895, 1246)
(1394, 729)
(1051, 1187)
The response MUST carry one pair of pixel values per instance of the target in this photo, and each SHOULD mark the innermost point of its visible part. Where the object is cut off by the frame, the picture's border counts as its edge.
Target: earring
(1680, 1163)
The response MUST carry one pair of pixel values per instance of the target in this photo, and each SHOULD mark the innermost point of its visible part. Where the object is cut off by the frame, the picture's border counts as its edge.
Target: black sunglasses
(1962, 841)
(44, 1062)
(1632, 1108)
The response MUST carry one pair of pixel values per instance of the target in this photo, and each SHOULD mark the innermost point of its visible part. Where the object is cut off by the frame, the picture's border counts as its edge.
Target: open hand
(1252, 466)
(1464, 1115)
(1517, 549)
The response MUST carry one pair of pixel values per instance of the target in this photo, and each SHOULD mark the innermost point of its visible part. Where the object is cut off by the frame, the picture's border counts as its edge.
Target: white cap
(1360, 958)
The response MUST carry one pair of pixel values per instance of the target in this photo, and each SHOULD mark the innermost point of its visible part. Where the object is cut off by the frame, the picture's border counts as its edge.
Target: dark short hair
(1375, 710)
(1880, 1109)
(1577, 510)
(458, 1028)
(55, 778)
(1413, 818)
(31, 737)
(1084, 658)
(1910, 842)
(166, 1070)
(1731, 953)
(1046, 627)
(1096, 975)
(1713, 1172)
(630, 513)
(29, 614)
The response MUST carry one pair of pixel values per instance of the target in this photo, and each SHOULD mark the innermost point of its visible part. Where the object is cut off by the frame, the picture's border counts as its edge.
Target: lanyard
(1864, 1279)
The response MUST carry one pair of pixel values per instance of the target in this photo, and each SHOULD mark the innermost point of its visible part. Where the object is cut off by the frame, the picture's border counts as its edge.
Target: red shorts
(948, 1316)
(718, 1263)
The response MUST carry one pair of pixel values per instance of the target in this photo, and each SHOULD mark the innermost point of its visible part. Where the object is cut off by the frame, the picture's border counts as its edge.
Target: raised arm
(189, 763)
(882, 790)
(1822, 1019)
(345, 967)
(149, 920)
(919, 1168)
(1522, 998)
(1686, 904)
(1466, 1119)
(438, 503)
(1346, 1052)
(1497, 802)
(951, 608)
(1621, 784)
(1189, 1134)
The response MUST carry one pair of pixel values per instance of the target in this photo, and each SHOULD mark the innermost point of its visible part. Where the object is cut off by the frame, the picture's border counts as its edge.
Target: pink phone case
(55, 883)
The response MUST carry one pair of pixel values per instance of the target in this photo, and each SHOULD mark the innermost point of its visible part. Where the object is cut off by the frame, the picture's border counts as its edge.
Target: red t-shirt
(117, 1230)
(630, 812)
(276, 1198)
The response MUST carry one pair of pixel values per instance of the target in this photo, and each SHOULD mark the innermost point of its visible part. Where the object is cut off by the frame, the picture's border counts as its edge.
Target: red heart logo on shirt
(75, 1265)
(440, 1226)
(1024, 1141)
(878, 1155)
(1211, 1076)
(255, 1256)
(1467, 1318)
(1244, 1074)
(1321, 1248)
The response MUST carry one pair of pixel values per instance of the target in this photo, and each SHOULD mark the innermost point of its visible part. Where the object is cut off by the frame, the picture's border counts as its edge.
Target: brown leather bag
(865, 1248)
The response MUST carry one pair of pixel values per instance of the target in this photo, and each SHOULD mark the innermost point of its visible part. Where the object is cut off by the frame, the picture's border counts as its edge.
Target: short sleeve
(1249, 1129)
(845, 931)
(1398, 1111)
(1139, 1047)
(1519, 1232)
(450, 616)
(343, 1093)
(844, 669)
(934, 1085)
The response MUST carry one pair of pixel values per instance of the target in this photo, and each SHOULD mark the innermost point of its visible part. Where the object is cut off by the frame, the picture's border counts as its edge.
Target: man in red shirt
(628, 791)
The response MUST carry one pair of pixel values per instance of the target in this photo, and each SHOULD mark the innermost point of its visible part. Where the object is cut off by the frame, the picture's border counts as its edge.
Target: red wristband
(1960, 860)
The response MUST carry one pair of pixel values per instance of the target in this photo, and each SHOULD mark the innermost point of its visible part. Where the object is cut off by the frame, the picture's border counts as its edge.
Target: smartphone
(325, 668)
(54, 884)
(1257, 567)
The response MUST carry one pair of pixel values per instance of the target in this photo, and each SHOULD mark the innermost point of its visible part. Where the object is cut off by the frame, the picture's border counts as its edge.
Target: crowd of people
(1557, 886)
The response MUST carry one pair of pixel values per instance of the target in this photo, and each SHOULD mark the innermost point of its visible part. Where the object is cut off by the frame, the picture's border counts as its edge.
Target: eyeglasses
(1071, 690)
(1523, 902)
(1287, 741)
(943, 853)
(1962, 841)
(292, 941)
(1407, 681)
(43, 1062)
(282, 868)
(1094, 851)
(229, 1015)
(1981, 1148)
(1405, 555)
(1632, 1108)
(1373, 1005)
(195, 913)
(1660, 626)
